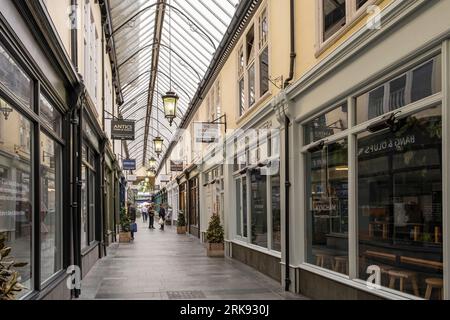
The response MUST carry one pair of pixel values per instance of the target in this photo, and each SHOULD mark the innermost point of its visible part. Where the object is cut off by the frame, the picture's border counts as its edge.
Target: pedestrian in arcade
(132, 215)
(162, 215)
(144, 211)
(151, 215)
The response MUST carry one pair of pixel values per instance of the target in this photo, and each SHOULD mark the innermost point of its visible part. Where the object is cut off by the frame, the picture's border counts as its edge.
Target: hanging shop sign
(132, 178)
(122, 130)
(164, 177)
(129, 164)
(143, 196)
(206, 132)
(176, 166)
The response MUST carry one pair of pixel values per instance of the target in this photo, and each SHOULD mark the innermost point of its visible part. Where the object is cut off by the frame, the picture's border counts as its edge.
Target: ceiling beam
(159, 22)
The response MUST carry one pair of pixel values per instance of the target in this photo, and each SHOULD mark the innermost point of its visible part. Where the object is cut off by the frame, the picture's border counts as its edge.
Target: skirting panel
(60, 292)
(321, 288)
(264, 263)
(89, 259)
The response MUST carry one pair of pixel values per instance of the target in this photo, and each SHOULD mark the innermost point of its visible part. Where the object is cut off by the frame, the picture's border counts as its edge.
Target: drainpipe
(74, 35)
(75, 146)
(77, 134)
(104, 142)
(293, 54)
(287, 123)
(103, 77)
(287, 199)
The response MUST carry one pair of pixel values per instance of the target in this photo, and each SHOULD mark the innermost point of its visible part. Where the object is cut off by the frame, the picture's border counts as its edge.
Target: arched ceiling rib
(162, 45)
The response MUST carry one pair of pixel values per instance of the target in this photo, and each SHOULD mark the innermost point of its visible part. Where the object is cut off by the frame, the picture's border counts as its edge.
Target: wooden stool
(434, 283)
(385, 272)
(322, 259)
(402, 276)
(341, 264)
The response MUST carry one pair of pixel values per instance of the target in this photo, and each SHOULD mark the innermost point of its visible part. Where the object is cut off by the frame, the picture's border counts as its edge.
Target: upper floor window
(360, 3)
(250, 44)
(337, 15)
(218, 97)
(263, 53)
(334, 17)
(241, 60)
(253, 63)
(213, 102)
(91, 39)
(263, 29)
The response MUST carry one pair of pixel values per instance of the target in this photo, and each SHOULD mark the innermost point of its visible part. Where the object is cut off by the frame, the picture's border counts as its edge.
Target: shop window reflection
(259, 209)
(276, 213)
(400, 203)
(50, 214)
(16, 218)
(327, 215)
(414, 85)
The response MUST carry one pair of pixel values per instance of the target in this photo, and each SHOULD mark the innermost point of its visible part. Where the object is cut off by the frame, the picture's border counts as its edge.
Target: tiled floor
(161, 265)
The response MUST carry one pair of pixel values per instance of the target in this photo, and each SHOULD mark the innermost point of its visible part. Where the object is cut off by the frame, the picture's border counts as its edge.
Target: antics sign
(122, 130)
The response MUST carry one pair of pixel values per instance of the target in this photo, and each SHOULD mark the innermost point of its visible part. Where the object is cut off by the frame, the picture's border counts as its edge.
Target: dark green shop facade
(59, 179)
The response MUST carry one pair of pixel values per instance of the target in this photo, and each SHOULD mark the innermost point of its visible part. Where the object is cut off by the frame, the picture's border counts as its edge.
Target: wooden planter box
(215, 250)
(181, 230)
(125, 237)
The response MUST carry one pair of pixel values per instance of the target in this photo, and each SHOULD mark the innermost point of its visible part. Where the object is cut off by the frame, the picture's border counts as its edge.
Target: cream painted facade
(90, 51)
(319, 83)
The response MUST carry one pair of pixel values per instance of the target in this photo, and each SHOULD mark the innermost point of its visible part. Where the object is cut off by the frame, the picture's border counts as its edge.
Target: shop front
(373, 210)
(256, 226)
(91, 193)
(109, 197)
(173, 201)
(214, 197)
(34, 193)
(193, 216)
(182, 195)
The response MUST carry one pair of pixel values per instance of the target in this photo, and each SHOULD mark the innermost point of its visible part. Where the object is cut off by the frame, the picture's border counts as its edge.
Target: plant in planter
(215, 238)
(9, 277)
(125, 227)
(181, 223)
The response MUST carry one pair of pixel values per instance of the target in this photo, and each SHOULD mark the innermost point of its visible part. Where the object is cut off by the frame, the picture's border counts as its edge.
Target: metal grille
(185, 295)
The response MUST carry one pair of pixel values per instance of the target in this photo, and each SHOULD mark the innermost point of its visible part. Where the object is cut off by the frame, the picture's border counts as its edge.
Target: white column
(353, 198)
(445, 161)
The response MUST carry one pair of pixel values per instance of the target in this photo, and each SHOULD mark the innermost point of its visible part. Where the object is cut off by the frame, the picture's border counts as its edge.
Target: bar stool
(403, 276)
(322, 259)
(341, 264)
(434, 283)
(385, 272)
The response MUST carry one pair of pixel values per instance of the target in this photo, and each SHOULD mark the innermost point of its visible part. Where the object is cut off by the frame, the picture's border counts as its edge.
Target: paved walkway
(161, 265)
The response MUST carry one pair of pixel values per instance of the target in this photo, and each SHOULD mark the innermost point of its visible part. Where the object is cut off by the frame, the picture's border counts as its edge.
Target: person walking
(162, 215)
(144, 211)
(151, 216)
(132, 215)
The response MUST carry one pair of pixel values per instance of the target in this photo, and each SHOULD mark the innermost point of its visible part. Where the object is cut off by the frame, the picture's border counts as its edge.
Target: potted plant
(10, 284)
(215, 238)
(181, 223)
(125, 227)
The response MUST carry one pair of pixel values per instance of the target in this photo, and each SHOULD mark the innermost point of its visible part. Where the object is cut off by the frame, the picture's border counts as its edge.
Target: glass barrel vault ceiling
(197, 28)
